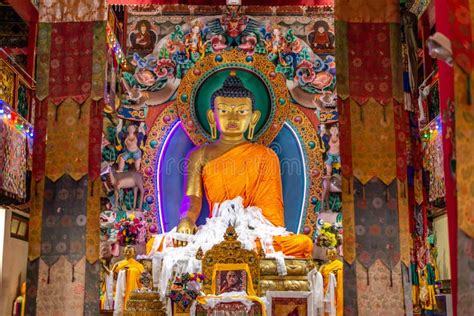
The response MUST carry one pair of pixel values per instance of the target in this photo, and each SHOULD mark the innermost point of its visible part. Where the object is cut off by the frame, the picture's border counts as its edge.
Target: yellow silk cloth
(149, 245)
(134, 270)
(336, 267)
(252, 171)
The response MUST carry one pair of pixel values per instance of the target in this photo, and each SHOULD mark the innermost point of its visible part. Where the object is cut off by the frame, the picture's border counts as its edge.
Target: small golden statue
(334, 266)
(133, 270)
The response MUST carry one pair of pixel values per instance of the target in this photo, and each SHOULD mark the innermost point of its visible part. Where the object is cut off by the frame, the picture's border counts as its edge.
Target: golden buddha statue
(333, 266)
(133, 269)
(232, 166)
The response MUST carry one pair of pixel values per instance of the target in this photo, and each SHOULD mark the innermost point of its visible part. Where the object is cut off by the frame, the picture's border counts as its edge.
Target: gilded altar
(263, 272)
(295, 280)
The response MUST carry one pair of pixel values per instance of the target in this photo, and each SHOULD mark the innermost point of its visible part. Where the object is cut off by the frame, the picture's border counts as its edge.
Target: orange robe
(252, 171)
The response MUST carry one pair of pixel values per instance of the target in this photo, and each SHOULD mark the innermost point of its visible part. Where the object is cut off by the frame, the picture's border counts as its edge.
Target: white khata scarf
(249, 224)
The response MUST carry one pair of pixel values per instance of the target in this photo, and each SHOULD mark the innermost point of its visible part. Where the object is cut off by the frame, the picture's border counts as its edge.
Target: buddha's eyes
(240, 112)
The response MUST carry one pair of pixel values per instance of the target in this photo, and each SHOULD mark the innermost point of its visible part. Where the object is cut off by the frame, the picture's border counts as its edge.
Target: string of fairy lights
(114, 45)
(15, 120)
(432, 129)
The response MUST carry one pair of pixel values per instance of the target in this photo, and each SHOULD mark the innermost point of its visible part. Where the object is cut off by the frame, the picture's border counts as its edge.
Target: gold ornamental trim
(233, 59)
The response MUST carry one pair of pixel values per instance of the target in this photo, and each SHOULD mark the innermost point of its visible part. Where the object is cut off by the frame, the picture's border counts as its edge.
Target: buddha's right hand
(185, 226)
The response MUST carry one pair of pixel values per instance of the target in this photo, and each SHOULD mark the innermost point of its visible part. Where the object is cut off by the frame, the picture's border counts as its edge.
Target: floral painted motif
(379, 291)
(62, 277)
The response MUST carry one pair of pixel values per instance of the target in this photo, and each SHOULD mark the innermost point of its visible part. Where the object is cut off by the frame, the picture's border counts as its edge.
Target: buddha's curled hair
(233, 88)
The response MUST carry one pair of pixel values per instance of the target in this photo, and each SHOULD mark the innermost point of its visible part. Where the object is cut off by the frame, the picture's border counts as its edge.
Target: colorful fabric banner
(373, 141)
(43, 55)
(433, 162)
(31, 286)
(403, 222)
(70, 67)
(92, 287)
(370, 66)
(464, 265)
(98, 61)
(95, 139)
(39, 144)
(54, 11)
(64, 220)
(342, 57)
(380, 291)
(376, 223)
(36, 220)
(350, 290)
(345, 135)
(401, 128)
(71, 76)
(462, 40)
(368, 11)
(13, 156)
(396, 62)
(461, 33)
(464, 153)
(348, 222)
(68, 140)
(61, 288)
(93, 220)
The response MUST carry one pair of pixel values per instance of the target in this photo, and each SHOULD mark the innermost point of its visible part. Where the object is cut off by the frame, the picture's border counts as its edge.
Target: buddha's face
(233, 115)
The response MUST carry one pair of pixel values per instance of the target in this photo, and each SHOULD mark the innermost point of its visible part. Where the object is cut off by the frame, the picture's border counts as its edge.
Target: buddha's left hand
(185, 226)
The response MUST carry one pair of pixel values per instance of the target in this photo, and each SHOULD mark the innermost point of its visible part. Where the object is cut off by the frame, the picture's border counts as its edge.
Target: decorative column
(373, 153)
(63, 264)
(459, 153)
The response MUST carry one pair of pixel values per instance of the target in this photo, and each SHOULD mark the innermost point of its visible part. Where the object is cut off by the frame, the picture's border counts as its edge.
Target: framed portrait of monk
(290, 303)
(231, 281)
(232, 277)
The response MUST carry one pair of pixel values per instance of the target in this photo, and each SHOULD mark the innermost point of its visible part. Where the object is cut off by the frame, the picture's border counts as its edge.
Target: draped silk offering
(335, 267)
(252, 171)
(133, 270)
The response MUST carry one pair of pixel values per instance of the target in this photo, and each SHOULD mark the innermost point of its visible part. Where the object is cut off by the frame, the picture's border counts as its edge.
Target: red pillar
(446, 98)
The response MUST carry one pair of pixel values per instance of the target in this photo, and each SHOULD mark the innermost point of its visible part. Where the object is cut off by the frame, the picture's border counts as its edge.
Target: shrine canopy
(223, 2)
